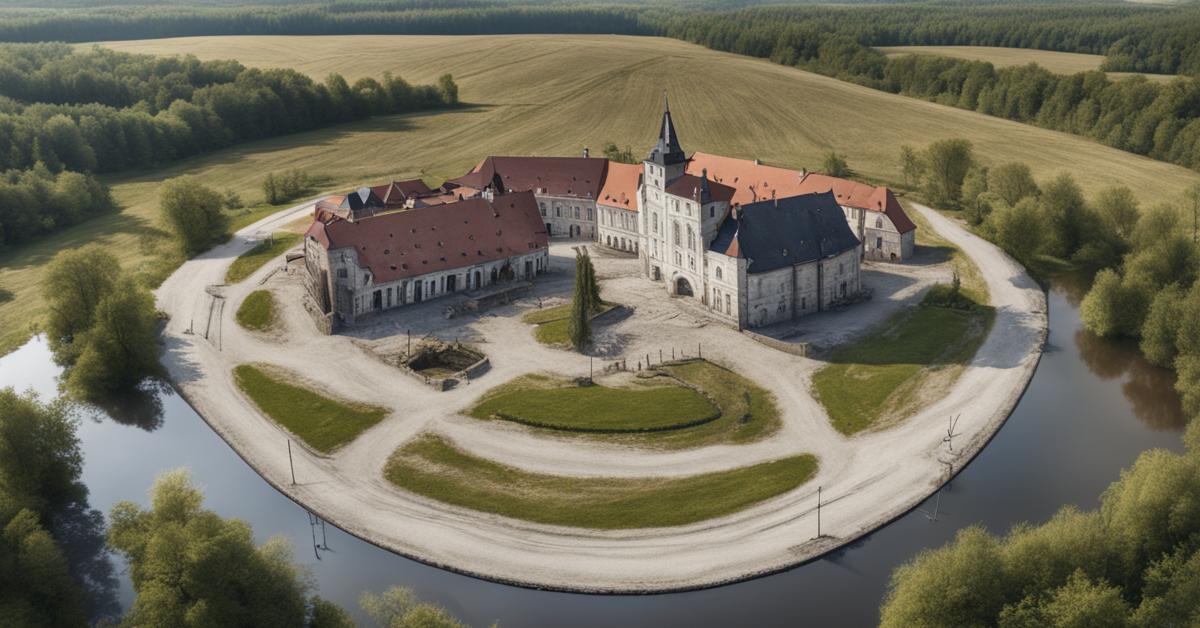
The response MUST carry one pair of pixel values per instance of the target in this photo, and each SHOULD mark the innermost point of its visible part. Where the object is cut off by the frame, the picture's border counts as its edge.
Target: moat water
(1092, 407)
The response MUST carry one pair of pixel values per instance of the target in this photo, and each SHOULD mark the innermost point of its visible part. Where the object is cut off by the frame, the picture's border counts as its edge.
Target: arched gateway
(683, 288)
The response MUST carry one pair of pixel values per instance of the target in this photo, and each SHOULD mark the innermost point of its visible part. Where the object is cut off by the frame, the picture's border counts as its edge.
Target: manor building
(379, 262)
(753, 265)
(754, 244)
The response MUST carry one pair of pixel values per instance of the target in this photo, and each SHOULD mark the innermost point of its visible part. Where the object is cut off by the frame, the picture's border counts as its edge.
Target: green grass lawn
(598, 408)
(265, 251)
(552, 323)
(745, 412)
(257, 312)
(323, 423)
(432, 467)
(889, 374)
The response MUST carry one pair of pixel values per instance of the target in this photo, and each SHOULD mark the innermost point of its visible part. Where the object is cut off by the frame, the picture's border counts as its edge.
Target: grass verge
(552, 323)
(639, 408)
(746, 411)
(257, 312)
(432, 467)
(913, 357)
(323, 423)
(265, 251)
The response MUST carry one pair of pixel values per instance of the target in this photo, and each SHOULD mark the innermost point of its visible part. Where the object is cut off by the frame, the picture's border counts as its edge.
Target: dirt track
(867, 480)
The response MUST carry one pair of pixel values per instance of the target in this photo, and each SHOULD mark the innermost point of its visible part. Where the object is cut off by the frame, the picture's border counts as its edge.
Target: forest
(65, 111)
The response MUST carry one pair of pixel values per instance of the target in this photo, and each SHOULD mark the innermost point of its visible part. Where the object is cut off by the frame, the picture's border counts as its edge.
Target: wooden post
(818, 512)
(409, 350)
(699, 351)
(290, 464)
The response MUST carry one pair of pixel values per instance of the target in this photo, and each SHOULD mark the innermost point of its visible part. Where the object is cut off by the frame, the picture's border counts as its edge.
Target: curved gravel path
(867, 480)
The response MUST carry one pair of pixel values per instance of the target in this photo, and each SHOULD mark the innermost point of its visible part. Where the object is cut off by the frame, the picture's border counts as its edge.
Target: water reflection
(1150, 389)
(80, 532)
(142, 408)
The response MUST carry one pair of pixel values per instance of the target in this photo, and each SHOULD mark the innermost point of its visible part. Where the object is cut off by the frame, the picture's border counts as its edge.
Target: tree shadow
(142, 407)
(5, 295)
(80, 532)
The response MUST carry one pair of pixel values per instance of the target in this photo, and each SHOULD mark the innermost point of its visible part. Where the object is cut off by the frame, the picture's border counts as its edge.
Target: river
(1090, 409)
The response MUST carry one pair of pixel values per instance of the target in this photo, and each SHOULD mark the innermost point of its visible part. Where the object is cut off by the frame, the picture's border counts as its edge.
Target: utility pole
(818, 512)
(290, 464)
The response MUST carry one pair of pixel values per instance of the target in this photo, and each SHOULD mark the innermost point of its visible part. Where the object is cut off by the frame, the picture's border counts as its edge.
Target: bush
(1017, 229)
(1116, 306)
(1162, 326)
(121, 349)
(835, 165)
(281, 188)
(193, 210)
(1012, 182)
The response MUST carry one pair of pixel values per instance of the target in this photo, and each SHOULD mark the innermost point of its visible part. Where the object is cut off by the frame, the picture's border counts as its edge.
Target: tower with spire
(680, 214)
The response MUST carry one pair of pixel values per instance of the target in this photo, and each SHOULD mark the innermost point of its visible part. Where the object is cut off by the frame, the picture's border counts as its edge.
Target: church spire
(667, 151)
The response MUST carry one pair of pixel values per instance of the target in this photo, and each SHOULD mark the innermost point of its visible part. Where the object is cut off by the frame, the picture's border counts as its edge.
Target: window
(878, 222)
(718, 272)
(576, 212)
(366, 279)
(712, 211)
(675, 234)
(878, 242)
(655, 221)
(728, 310)
(691, 238)
(542, 208)
(558, 212)
(589, 213)
(691, 262)
(803, 303)
(342, 274)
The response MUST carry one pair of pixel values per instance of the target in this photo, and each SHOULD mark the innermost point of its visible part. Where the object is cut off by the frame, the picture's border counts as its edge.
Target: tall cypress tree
(579, 325)
(593, 286)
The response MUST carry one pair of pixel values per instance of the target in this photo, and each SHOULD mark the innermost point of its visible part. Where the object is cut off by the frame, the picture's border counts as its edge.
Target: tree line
(1161, 120)
(65, 114)
(1136, 560)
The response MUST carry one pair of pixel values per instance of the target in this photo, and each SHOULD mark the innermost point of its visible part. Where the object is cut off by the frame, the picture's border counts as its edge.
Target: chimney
(803, 174)
(585, 152)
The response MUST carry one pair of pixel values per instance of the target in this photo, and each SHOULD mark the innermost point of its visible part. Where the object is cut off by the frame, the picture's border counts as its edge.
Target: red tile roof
(418, 241)
(757, 182)
(395, 193)
(621, 186)
(580, 177)
(689, 186)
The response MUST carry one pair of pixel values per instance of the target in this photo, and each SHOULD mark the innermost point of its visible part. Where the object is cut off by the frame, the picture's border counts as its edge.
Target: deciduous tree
(75, 283)
(193, 210)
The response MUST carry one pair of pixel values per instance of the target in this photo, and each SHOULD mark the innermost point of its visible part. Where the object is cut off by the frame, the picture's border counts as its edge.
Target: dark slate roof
(362, 198)
(667, 151)
(793, 230)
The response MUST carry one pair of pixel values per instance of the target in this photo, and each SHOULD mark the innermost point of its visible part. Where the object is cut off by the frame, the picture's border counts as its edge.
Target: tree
(40, 464)
(121, 348)
(1065, 215)
(190, 567)
(1117, 206)
(1018, 229)
(946, 165)
(911, 165)
(579, 325)
(975, 184)
(621, 155)
(1012, 181)
(835, 165)
(398, 607)
(193, 210)
(1153, 226)
(1116, 305)
(1162, 326)
(74, 284)
(592, 285)
(448, 90)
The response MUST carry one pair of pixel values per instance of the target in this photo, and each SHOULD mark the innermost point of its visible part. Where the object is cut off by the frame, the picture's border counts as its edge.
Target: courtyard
(371, 484)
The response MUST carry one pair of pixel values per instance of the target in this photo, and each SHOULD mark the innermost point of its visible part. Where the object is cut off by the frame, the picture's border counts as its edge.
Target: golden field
(555, 94)
(1057, 62)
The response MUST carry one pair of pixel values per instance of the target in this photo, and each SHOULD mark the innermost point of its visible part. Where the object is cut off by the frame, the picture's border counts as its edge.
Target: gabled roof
(666, 150)
(757, 182)
(580, 177)
(362, 198)
(779, 233)
(396, 193)
(700, 189)
(621, 186)
(410, 243)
